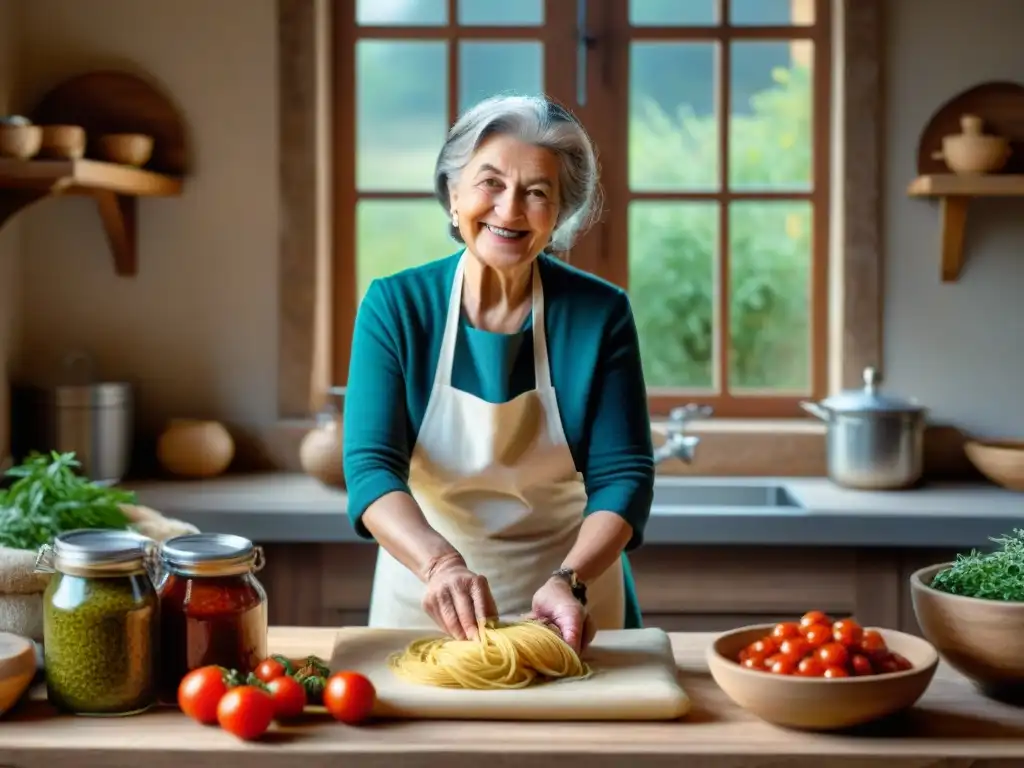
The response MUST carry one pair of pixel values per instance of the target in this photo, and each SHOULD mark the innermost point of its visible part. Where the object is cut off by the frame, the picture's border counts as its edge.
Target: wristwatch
(579, 589)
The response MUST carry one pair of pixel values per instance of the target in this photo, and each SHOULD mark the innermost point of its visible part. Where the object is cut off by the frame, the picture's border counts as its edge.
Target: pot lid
(870, 398)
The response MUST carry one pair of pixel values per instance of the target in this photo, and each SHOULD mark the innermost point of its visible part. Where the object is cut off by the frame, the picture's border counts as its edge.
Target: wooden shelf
(116, 189)
(954, 192)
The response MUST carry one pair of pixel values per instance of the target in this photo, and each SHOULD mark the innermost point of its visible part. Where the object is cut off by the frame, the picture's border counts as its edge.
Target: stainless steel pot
(873, 442)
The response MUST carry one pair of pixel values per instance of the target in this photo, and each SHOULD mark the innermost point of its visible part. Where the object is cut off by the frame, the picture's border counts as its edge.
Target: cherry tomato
(810, 666)
(872, 642)
(270, 669)
(245, 712)
(795, 646)
(902, 662)
(817, 635)
(814, 617)
(199, 693)
(349, 697)
(781, 665)
(833, 655)
(763, 647)
(832, 672)
(861, 665)
(884, 663)
(786, 629)
(289, 697)
(753, 661)
(847, 632)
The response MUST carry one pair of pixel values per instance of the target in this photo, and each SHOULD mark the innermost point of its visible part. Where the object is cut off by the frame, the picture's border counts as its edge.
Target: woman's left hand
(555, 604)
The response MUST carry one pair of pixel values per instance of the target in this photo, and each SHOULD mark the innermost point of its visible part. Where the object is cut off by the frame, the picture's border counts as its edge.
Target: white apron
(499, 483)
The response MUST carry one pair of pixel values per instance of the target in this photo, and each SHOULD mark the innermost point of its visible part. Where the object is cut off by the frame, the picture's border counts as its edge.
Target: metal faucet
(678, 444)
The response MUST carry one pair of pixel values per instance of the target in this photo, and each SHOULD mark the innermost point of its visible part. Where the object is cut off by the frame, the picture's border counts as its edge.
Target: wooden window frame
(308, 323)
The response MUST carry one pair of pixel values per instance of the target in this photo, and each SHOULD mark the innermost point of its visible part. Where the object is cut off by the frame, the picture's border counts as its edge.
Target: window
(712, 122)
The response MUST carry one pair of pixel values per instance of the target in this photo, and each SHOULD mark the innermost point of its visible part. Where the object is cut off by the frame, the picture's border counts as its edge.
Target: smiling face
(506, 200)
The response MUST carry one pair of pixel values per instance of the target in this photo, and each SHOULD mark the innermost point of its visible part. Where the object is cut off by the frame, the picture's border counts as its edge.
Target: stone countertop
(295, 508)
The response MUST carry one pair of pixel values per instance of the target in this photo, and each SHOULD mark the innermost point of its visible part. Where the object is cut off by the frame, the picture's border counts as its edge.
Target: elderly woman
(497, 439)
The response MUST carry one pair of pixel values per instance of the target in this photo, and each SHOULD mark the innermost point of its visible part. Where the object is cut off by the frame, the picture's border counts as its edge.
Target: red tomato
(872, 642)
(902, 662)
(861, 665)
(833, 672)
(786, 629)
(817, 635)
(349, 697)
(847, 632)
(289, 697)
(795, 646)
(833, 655)
(269, 669)
(781, 665)
(810, 666)
(814, 617)
(245, 712)
(753, 661)
(199, 693)
(763, 647)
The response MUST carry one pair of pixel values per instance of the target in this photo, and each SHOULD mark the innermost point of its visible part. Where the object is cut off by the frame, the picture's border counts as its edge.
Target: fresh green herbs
(998, 575)
(48, 497)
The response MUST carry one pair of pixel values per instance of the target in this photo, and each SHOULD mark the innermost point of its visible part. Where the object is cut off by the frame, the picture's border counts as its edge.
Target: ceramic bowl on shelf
(982, 639)
(63, 142)
(20, 142)
(818, 703)
(1001, 461)
(132, 149)
(971, 152)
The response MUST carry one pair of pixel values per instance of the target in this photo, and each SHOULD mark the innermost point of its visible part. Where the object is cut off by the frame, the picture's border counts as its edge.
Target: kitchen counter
(295, 508)
(951, 726)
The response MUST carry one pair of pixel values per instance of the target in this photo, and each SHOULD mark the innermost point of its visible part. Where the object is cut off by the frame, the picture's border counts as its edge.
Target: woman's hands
(456, 598)
(555, 604)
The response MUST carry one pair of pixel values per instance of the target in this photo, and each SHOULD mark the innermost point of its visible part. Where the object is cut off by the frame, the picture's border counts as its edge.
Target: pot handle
(815, 410)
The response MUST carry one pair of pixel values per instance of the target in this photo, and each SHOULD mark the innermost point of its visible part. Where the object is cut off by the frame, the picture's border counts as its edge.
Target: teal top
(595, 370)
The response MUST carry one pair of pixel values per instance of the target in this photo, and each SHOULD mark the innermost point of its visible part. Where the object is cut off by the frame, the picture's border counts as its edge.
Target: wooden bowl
(17, 668)
(63, 142)
(1001, 461)
(20, 142)
(817, 703)
(133, 149)
(982, 639)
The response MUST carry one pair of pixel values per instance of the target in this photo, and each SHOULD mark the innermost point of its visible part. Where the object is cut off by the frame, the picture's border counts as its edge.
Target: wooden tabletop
(951, 726)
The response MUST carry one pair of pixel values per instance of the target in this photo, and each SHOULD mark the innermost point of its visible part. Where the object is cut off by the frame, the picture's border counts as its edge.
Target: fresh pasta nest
(506, 655)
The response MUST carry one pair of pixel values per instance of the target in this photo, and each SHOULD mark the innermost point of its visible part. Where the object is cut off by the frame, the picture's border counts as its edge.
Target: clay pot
(320, 452)
(972, 152)
(195, 448)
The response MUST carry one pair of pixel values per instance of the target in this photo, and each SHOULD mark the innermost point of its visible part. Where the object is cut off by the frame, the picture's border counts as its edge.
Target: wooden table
(952, 727)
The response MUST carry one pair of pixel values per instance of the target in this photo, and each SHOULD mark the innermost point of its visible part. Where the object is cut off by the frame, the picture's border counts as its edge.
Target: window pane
(673, 138)
(770, 135)
(392, 235)
(769, 296)
(664, 13)
(752, 12)
(673, 259)
(401, 113)
(401, 13)
(486, 69)
(501, 13)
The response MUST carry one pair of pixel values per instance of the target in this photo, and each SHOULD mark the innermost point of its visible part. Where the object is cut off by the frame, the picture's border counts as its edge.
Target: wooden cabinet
(680, 588)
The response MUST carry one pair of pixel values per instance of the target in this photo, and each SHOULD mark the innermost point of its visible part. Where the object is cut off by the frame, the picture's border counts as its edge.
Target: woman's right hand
(456, 598)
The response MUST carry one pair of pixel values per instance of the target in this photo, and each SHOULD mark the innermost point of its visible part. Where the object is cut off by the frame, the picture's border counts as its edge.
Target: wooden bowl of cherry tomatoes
(819, 673)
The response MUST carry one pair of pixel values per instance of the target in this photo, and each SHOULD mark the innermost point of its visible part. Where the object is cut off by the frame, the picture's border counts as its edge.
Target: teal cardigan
(595, 369)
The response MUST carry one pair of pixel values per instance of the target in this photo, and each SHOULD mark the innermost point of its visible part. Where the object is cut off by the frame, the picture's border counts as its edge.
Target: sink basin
(687, 492)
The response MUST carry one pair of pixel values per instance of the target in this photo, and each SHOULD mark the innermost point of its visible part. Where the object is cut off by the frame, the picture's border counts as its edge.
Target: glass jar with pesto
(101, 618)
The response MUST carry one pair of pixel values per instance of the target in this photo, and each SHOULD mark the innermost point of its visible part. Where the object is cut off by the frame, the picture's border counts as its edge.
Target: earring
(455, 219)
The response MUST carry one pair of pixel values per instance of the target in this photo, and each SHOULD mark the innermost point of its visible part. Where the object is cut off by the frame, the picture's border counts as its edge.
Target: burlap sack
(21, 588)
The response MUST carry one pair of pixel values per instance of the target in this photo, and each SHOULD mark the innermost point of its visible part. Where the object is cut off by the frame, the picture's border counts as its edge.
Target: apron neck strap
(446, 358)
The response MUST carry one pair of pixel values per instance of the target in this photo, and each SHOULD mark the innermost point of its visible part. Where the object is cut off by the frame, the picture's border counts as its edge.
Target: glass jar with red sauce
(213, 609)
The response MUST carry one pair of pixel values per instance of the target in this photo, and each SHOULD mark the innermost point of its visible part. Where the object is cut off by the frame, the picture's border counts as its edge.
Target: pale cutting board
(634, 679)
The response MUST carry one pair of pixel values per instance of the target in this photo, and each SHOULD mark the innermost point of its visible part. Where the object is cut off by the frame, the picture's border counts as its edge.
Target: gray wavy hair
(539, 121)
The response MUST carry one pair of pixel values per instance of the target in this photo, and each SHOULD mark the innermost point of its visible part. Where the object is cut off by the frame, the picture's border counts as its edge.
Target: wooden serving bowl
(20, 142)
(132, 149)
(981, 639)
(817, 703)
(1001, 461)
(63, 142)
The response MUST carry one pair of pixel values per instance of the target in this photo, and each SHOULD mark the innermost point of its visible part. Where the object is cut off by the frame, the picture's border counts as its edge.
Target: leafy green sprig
(998, 575)
(49, 497)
